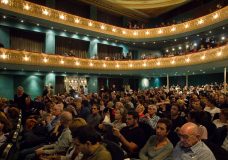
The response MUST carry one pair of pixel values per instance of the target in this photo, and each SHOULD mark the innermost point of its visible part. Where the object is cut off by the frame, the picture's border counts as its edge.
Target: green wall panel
(6, 86)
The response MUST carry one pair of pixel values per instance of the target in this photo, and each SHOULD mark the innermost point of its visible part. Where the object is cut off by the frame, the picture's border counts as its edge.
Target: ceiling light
(61, 61)
(179, 47)
(91, 64)
(215, 16)
(77, 63)
(223, 38)
(45, 60)
(102, 27)
(4, 56)
(201, 21)
(26, 58)
(167, 50)
(104, 65)
(219, 53)
(203, 57)
(173, 29)
(5, 1)
(38, 24)
(195, 44)
(61, 16)
(22, 21)
(130, 65)
(124, 32)
(114, 29)
(90, 24)
(186, 25)
(147, 32)
(76, 20)
(172, 62)
(187, 46)
(26, 7)
(187, 60)
(186, 37)
(4, 17)
(158, 63)
(173, 49)
(160, 31)
(45, 12)
(135, 33)
(117, 66)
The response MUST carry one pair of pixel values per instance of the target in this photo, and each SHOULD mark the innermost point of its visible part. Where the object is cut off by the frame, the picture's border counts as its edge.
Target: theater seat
(7, 152)
(115, 150)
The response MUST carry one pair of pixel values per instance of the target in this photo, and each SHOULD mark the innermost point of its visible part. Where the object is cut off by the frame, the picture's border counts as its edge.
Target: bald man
(190, 147)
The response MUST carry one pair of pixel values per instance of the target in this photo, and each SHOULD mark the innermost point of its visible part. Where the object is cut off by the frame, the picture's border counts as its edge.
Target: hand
(39, 151)
(101, 126)
(116, 132)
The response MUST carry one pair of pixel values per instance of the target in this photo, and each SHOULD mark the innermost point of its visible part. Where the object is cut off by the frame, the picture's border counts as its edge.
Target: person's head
(85, 138)
(132, 118)
(94, 109)
(120, 114)
(78, 103)
(77, 123)
(223, 116)
(222, 99)
(20, 90)
(163, 127)
(175, 110)
(196, 105)
(140, 109)
(65, 118)
(152, 109)
(189, 135)
(119, 105)
(57, 109)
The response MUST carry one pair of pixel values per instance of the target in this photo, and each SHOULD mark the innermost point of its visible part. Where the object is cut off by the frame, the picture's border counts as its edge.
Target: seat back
(7, 152)
(115, 150)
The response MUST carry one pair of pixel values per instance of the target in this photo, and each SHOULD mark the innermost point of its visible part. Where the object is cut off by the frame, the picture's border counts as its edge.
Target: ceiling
(138, 9)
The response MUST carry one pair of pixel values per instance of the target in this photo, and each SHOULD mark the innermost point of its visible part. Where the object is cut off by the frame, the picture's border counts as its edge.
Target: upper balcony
(72, 23)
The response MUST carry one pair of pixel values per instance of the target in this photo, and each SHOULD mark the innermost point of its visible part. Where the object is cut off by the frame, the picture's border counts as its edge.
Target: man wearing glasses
(190, 147)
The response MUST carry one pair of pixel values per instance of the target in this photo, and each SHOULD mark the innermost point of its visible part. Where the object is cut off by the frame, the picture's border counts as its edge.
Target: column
(49, 80)
(50, 3)
(50, 42)
(93, 84)
(5, 37)
(167, 82)
(225, 80)
(93, 12)
(186, 81)
(93, 48)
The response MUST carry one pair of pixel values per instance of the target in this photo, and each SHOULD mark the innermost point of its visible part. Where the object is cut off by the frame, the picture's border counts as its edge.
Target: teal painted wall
(6, 86)
(32, 84)
(93, 84)
(4, 37)
(50, 42)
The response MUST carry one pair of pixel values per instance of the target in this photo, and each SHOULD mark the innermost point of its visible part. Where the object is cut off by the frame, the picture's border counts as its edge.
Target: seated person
(4, 128)
(72, 151)
(158, 147)
(190, 146)
(88, 142)
(150, 117)
(132, 136)
(64, 140)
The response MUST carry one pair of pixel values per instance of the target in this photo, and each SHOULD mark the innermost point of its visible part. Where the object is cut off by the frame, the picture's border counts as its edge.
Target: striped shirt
(199, 151)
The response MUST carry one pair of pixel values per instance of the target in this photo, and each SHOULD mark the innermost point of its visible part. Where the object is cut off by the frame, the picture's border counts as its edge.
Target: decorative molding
(52, 15)
(8, 56)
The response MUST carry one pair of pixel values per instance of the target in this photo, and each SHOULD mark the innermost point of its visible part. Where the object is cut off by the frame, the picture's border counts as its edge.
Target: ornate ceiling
(138, 9)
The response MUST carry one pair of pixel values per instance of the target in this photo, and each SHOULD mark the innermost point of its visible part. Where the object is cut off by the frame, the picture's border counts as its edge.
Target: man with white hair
(190, 146)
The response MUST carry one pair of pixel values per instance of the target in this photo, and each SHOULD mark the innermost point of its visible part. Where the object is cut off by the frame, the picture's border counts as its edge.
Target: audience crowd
(154, 124)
